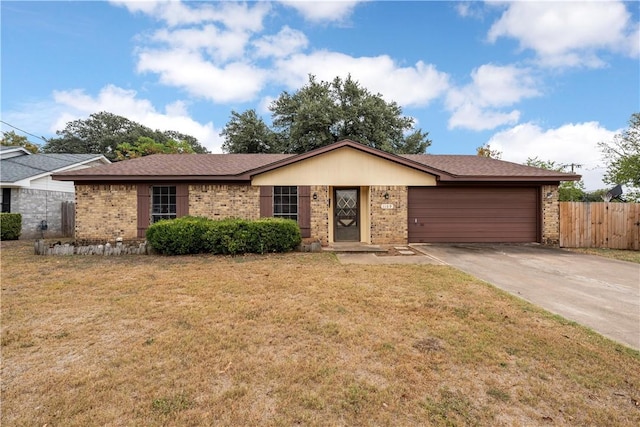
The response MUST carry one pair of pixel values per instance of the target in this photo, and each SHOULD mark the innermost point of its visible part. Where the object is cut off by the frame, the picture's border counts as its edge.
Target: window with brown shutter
(285, 202)
(163, 202)
(156, 202)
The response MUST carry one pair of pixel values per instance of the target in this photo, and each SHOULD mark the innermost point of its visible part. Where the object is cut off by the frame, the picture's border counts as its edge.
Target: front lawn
(621, 255)
(293, 339)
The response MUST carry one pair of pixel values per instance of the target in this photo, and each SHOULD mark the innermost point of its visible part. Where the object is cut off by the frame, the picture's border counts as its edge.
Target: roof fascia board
(501, 183)
(14, 150)
(154, 178)
(23, 183)
(549, 178)
(65, 168)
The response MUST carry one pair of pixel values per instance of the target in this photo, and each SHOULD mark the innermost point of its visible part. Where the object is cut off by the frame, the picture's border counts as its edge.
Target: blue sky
(543, 79)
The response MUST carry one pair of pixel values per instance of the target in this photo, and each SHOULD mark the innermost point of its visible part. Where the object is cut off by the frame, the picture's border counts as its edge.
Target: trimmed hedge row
(10, 226)
(194, 235)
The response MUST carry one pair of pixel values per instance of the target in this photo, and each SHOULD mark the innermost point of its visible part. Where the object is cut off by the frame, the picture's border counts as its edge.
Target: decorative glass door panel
(346, 214)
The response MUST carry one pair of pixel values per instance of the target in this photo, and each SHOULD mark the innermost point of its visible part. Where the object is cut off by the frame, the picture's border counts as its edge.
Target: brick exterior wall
(320, 213)
(388, 226)
(224, 201)
(550, 215)
(106, 212)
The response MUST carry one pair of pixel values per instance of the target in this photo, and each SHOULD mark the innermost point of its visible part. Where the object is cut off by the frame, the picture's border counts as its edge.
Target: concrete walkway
(375, 254)
(600, 293)
(363, 258)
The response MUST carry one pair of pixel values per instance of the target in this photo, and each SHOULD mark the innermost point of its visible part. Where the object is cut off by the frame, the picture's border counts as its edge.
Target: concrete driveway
(600, 293)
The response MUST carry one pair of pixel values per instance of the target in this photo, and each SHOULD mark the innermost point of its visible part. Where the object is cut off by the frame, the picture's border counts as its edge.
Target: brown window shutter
(144, 209)
(266, 202)
(182, 200)
(304, 210)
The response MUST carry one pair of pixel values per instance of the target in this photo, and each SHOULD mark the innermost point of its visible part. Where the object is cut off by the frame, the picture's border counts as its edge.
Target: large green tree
(623, 158)
(146, 146)
(102, 133)
(248, 133)
(12, 139)
(321, 113)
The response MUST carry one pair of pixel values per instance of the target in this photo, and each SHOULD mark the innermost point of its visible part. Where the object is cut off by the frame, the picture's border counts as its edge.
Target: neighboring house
(27, 187)
(342, 192)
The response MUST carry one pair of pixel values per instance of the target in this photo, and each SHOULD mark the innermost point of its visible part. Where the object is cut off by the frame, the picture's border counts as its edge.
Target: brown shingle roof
(477, 166)
(240, 167)
(187, 166)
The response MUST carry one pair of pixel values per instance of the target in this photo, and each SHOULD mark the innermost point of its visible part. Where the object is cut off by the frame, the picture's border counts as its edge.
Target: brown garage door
(473, 214)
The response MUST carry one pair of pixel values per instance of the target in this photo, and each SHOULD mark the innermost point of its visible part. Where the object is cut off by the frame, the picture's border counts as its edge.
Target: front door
(346, 215)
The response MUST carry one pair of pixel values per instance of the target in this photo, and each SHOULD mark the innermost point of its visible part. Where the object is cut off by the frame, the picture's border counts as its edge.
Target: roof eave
(21, 183)
(489, 178)
(53, 172)
(151, 178)
(15, 149)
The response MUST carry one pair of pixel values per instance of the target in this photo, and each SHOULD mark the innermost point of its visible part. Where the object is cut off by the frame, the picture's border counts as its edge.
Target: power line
(24, 131)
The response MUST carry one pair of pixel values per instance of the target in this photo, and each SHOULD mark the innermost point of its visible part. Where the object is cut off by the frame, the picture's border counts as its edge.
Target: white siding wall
(48, 184)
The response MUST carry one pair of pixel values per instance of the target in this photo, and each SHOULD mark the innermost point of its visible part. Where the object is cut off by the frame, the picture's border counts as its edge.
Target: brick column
(320, 213)
(388, 225)
(550, 215)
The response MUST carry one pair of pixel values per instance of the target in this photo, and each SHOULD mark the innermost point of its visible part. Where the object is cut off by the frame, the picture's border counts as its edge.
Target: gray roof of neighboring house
(22, 167)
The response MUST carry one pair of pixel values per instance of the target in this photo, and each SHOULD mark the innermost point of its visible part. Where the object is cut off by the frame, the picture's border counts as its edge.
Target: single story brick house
(344, 192)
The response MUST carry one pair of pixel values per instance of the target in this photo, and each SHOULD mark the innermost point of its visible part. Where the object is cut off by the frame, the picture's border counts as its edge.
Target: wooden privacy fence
(68, 219)
(600, 225)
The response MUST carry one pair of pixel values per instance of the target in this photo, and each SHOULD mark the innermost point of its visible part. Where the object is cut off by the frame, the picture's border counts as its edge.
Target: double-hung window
(285, 202)
(163, 203)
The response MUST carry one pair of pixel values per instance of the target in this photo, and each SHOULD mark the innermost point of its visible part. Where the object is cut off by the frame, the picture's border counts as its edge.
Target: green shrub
(180, 236)
(275, 235)
(191, 235)
(227, 236)
(10, 226)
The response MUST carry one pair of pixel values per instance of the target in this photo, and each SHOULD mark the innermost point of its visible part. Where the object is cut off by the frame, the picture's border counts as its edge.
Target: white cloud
(283, 44)
(220, 45)
(408, 86)
(206, 55)
(469, 9)
(236, 16)
(214, 63)
(568, 33)
(264, 104)
(138, 6)
(570, 143)
(76, 104)
(236, 81)
(317, 11)
(470, 116)
(475, 106)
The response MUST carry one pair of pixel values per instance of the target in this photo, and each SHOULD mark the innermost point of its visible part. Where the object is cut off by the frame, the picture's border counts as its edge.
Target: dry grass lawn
(295, 339)
(621, 255)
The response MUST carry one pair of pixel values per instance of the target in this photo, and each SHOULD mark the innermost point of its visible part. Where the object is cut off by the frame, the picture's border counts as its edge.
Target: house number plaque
(387, 206)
